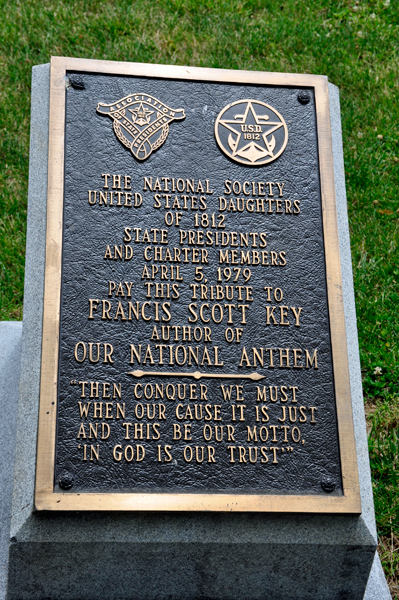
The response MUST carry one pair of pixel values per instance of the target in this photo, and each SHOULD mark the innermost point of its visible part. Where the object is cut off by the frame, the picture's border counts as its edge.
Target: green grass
(354, 43)
(383, 419)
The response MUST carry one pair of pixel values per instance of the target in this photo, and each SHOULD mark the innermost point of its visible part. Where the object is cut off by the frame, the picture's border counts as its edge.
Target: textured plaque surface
(195, 349)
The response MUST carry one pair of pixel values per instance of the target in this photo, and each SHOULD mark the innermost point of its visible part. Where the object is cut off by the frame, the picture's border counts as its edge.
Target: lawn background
(356, 44)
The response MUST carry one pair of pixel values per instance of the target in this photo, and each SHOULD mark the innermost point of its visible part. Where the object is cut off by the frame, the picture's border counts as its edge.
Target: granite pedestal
(10, 359)
(178, 556)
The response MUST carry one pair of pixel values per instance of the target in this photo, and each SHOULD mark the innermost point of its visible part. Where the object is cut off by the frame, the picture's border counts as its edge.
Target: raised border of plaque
(45, 496)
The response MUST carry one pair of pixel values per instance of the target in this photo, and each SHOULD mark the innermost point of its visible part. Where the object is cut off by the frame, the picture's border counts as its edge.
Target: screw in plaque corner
(65, 480)
(304, 97)
(328, 485)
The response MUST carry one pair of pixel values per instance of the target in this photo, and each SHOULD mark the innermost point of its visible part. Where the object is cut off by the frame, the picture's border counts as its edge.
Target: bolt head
(303, 97)
(65, 480)
(77, 82)
(328, 485)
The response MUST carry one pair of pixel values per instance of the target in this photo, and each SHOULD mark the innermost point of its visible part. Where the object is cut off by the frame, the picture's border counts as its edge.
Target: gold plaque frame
(45, 497)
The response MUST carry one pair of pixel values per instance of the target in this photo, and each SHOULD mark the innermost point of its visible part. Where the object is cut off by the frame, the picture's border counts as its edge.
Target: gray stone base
(10, 360)
(377, 587)
(183, 557)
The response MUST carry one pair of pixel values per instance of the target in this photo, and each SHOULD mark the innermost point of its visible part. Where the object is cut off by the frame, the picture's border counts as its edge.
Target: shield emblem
(141, 122)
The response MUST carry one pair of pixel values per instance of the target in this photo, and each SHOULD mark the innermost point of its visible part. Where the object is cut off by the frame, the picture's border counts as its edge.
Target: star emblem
(141, 115)
(251, 132)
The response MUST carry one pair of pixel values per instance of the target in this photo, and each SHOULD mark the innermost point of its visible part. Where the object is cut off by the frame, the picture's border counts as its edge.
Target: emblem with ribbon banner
(141, 122)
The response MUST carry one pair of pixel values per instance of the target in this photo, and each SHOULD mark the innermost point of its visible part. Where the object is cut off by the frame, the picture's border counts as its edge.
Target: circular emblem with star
(251, 132)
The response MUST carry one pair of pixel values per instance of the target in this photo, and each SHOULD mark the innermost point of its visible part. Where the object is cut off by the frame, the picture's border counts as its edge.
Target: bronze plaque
(194, 350)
